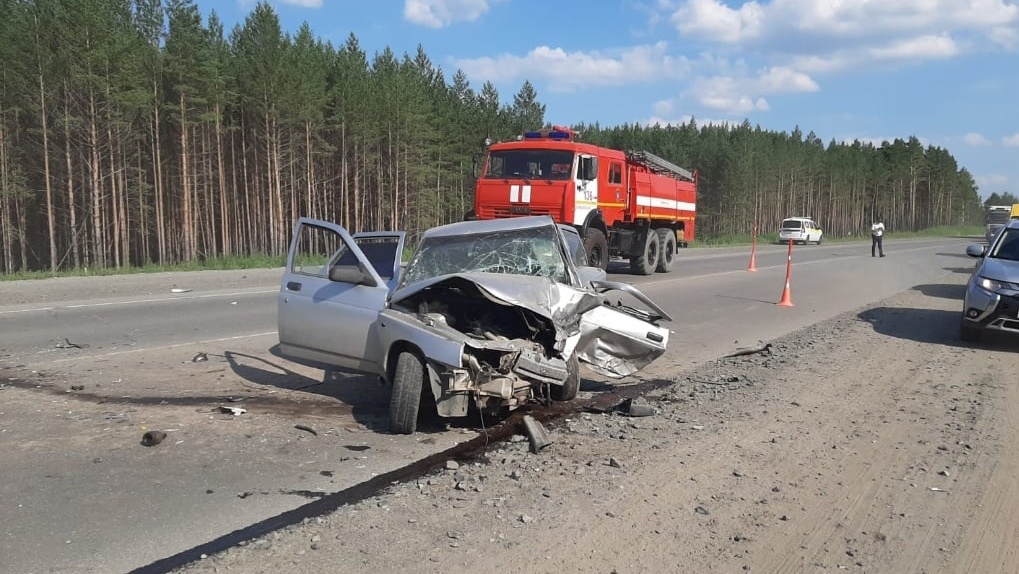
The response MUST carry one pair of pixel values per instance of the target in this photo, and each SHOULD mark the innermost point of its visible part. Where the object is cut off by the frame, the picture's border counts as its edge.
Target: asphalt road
(89, 364)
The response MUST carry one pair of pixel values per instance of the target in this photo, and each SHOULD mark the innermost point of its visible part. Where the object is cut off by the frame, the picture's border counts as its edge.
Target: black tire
(597, 248)
(820, 238)
(647, 261)
(666, 249)
(968, 333)
(569, 389)
(404, 404)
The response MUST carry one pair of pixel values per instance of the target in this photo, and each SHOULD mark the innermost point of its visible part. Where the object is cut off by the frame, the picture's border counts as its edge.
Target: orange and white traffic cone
(753, 251)
(787, 299)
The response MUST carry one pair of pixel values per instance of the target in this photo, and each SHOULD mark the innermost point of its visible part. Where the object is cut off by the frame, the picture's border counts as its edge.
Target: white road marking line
(139, 301)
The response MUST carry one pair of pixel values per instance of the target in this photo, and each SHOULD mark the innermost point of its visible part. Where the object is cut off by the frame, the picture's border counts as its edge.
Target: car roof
(798, 219)
(489, 225)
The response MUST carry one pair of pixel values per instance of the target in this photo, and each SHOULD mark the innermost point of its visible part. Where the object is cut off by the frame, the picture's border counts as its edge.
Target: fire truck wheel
(666, 249)
(597, 248)
(571, 386)
(647, 261)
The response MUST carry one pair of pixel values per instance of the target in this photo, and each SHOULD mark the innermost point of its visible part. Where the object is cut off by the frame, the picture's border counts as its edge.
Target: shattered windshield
(529, 251)
(529, 164)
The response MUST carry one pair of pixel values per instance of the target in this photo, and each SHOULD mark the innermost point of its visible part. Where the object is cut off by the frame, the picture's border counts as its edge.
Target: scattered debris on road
(536, 433)
(306, 429)
(199, 358)
(637, 407)
(152, 438)
(67, 344)
(761, 348)
(235, 411)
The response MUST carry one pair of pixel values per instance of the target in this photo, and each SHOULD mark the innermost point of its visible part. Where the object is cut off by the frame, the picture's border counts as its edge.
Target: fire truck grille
(501, 211)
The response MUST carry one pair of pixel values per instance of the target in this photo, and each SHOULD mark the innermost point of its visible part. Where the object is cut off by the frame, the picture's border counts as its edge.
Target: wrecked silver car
(489, 314)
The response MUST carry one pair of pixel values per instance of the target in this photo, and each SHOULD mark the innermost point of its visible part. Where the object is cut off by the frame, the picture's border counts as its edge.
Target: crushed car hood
(611, 342)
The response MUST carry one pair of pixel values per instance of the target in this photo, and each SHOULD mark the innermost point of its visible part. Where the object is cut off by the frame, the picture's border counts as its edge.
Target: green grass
(217, 263)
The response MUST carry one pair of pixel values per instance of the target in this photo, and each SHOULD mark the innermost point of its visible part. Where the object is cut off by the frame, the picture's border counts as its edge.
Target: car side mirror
(350, 274)
(975, 250)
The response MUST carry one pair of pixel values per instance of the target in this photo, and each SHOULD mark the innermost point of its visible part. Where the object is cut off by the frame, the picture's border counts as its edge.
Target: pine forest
(138, 132)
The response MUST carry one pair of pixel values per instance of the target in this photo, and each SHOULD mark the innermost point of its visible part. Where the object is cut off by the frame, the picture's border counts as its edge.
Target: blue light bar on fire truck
(556, 133)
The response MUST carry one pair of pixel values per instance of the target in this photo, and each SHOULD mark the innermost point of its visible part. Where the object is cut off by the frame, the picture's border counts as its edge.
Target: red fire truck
(634, 205)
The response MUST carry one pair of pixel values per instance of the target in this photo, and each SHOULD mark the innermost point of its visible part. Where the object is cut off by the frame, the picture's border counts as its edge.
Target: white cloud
(1011, 141)
(567, 71)
(785, 80)
(975, 139)
(921, 47)
(740, 92)
(829, 35)
(441, 13)
(714, 20)
(304, 3)
(664, 107)
(990, 180)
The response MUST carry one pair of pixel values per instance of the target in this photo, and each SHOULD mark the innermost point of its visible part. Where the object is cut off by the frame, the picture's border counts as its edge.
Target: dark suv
(992, 293)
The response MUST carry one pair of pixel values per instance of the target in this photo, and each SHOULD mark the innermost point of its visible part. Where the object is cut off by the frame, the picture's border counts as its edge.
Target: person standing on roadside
(877, 230)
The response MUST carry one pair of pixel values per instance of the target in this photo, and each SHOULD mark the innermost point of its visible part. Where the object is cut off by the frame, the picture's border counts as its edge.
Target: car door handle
(293, 286)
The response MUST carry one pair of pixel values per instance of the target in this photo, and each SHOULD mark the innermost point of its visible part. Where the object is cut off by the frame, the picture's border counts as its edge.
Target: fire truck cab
(634, 205)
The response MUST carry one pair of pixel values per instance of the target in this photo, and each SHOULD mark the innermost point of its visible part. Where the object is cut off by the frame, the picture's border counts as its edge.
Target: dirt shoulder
(873, 442)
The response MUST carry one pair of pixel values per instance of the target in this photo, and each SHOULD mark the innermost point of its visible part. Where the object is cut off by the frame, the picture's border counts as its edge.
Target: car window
(575, 246)
(1007, 246)
(792, 224)
(317, 248)
(380, 251)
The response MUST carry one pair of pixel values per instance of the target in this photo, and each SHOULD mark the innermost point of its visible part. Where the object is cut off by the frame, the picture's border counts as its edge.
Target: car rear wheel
(408, 380)
(666, 249)
(968, 333)
(571, 386)
(647, 261)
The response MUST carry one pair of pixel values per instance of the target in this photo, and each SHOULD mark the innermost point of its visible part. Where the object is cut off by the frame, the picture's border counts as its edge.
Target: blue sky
(946, 71)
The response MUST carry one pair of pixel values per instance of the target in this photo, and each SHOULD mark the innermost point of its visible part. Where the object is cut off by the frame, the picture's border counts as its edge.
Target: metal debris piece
(153, 437)
(637, 407)
(306, 429)
(235, 411)
(179, 290)
(199, 358)
(77, 387)
(67, 344)
(536, 433)
(762, 348)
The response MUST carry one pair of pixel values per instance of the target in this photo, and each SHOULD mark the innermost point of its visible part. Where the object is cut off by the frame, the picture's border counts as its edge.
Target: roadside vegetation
(138, 133)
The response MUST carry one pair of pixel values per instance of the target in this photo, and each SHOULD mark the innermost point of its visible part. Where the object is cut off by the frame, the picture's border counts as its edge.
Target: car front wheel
(408, 380)
(571, 386)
